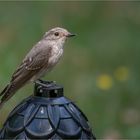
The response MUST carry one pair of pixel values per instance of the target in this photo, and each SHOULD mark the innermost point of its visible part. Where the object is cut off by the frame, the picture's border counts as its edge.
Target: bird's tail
(7, 92)
(4, 90)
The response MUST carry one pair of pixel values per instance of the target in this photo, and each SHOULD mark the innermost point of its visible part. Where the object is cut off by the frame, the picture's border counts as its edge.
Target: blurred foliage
(100, 69)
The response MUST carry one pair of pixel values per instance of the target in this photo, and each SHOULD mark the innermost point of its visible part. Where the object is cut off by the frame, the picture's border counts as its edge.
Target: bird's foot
(45, 83)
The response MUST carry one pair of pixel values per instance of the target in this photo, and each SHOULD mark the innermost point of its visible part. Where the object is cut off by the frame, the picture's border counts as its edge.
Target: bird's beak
(70, 35)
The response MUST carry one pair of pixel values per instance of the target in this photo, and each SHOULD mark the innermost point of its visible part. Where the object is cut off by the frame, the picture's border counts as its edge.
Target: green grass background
(100, 69)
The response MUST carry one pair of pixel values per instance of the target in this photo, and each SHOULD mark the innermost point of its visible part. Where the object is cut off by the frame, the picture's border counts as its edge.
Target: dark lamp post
(46, 115)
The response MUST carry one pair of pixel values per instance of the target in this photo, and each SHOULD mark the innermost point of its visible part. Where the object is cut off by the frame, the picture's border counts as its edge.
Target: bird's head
(58, 35)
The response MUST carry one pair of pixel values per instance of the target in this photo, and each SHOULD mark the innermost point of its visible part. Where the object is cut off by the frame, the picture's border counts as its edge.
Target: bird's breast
(53, 60)
(55, 56)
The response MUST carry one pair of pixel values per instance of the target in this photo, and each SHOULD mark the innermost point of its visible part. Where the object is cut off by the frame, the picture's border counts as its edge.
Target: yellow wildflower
(104, 81)
(121, 73)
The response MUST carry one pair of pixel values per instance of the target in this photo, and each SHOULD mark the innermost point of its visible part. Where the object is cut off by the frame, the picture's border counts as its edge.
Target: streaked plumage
(40, 59)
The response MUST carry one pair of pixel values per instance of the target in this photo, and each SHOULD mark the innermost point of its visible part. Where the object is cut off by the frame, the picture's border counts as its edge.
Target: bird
(41, 59)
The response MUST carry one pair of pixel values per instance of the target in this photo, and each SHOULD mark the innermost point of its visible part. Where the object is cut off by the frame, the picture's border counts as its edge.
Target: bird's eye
(56, 34)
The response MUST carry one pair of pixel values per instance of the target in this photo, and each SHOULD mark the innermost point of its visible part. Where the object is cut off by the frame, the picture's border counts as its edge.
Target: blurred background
(100, 69)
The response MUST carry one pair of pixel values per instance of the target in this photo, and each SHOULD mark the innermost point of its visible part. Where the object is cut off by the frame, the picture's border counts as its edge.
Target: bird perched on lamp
(38, 62)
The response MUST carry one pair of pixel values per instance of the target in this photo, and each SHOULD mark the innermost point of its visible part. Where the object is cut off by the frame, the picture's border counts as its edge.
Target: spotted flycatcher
(39, 61)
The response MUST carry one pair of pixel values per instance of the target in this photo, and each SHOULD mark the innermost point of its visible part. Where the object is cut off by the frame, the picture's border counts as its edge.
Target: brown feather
(26, 71)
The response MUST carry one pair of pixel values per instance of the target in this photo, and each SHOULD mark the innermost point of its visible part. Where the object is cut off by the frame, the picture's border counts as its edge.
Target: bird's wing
(31, 65)
(33, 62)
